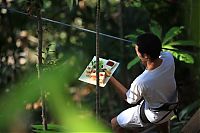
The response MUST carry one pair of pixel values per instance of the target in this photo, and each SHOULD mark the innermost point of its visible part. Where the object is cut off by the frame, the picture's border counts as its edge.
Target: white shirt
(156, 86)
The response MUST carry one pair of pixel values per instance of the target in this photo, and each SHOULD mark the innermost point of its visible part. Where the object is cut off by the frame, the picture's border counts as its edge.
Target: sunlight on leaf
(183, 43)
(180, 55)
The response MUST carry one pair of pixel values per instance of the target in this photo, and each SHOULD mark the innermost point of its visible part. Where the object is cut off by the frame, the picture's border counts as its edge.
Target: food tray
(87, 79)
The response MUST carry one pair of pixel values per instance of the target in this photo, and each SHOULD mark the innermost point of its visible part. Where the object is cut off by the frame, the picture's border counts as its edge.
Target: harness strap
(144, 118)
(166, 107)
(142, 114)
(163, 117)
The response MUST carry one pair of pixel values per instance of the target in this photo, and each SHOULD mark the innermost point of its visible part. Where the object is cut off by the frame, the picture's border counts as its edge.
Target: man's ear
(146, 56)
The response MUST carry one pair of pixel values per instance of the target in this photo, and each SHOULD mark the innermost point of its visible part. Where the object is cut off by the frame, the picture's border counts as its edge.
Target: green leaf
(173, 32)
(140, 31)
(133, 62)
(185, 57)
(137, 3)
(189, 109)
(155, 28)
(183, 43)
(71, 3)
(169, 48)
(180, 55)
(132, 37)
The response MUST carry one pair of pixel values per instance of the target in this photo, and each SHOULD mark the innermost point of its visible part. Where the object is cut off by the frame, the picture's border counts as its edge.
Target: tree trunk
(124, 72)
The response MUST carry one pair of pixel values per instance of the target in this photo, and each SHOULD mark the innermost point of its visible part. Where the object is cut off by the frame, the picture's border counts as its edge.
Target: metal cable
(66, 25)
(79, 28)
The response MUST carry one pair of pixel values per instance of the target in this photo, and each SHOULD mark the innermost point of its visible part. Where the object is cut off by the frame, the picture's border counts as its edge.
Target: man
(155, 87)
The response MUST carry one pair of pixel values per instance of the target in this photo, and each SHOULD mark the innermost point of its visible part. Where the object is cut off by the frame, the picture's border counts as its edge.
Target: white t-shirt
(157, 86)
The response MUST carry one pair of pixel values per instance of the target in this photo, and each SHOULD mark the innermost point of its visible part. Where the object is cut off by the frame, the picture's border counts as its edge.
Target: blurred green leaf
(134, 3)
(132, 37)
(71, 3)
(60, 104)
(189, 109)
(137, 3)
(133, 62)
(173, 32)
(140, 31)
(156, 28)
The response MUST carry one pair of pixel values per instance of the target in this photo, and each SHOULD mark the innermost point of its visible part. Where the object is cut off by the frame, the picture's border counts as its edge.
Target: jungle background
(66, 51)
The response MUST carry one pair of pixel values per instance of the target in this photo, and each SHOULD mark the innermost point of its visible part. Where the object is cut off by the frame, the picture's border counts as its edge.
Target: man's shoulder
(140, 80)
(167, 57)
(166, 54)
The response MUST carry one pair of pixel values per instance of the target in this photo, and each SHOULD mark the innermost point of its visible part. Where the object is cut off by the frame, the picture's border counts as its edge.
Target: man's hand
(108, 73)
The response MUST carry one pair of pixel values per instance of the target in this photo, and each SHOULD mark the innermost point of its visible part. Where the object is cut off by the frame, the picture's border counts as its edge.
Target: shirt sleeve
(134, 94)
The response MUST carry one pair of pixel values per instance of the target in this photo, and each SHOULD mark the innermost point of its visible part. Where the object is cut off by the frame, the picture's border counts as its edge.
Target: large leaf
(180, 55)
(174, 31)
(185, 57)
(156, 28)
(133, 62)
(183, 43)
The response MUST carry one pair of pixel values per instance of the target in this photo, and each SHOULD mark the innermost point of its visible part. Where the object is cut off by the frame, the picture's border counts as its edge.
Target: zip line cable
(66, 25)
(76, 27)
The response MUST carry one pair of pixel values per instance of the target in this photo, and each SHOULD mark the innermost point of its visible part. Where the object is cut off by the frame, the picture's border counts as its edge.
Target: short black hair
(149, 44)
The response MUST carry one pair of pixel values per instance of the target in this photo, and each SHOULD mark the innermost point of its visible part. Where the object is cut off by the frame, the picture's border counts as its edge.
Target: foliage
(51, 128)
(67, 113)
(169, 43)
(184, 115)
(18, 56)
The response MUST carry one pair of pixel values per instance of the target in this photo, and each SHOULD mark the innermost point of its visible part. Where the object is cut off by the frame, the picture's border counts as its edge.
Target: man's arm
(119, 87)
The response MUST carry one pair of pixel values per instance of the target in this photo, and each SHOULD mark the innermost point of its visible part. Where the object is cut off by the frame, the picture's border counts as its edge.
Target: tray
(104, 62)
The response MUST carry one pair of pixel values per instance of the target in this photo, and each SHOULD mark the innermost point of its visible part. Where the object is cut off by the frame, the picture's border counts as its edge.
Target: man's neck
(153, 64)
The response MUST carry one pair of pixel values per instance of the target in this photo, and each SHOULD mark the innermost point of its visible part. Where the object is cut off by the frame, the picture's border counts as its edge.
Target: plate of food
(106, 69)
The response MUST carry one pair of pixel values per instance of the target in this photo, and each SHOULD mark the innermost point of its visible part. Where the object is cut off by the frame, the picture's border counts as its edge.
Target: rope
(66, 25)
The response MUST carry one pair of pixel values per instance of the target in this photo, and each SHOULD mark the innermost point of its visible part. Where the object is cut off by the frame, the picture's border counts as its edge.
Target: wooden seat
(163, 128)
(193, 125)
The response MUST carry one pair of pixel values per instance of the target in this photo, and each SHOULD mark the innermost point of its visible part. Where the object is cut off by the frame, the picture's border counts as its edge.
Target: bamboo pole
(40, 38)
(97, 59)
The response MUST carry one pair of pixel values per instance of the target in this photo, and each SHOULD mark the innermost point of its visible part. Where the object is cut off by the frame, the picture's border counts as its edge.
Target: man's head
(148, 46)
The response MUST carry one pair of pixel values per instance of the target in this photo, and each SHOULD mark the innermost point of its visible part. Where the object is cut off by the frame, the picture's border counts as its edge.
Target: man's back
(159, 84)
